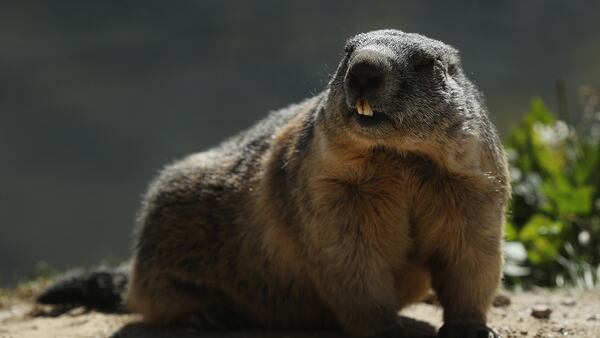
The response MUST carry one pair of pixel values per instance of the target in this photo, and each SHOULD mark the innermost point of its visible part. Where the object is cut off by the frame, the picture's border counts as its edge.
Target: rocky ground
(539, 314)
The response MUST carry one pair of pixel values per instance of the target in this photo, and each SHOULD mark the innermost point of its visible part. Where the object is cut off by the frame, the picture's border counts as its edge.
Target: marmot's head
(395, 84)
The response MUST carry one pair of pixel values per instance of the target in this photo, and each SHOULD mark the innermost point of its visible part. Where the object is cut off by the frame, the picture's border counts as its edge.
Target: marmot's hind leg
(182, 256)
(162, 300)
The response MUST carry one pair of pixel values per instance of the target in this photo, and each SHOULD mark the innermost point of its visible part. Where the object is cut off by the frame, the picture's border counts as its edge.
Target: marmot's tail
(99, 289)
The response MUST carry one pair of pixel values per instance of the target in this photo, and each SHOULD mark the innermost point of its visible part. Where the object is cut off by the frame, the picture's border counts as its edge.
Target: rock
(562, 330)
(568, 301)
(541, 312)
(594, 317)
(431, 299)
(501, 300)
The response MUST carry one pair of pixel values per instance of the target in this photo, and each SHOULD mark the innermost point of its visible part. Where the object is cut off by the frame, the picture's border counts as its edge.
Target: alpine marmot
(337, 211)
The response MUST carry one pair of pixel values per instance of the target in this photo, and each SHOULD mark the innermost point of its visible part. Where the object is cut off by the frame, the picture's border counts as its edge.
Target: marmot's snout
(367, 79)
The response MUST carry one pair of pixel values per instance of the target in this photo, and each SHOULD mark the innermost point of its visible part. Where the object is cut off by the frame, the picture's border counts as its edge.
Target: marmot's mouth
(374, 120)
(363, 107)
(367, 117)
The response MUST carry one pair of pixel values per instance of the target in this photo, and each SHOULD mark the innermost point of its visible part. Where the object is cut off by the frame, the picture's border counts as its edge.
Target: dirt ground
(569, 314)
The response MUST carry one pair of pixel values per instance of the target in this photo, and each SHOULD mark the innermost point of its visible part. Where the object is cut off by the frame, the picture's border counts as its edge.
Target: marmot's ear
(453, 58)
(453, 51)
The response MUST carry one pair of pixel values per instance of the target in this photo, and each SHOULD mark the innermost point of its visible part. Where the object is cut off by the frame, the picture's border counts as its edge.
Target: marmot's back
(222, 172)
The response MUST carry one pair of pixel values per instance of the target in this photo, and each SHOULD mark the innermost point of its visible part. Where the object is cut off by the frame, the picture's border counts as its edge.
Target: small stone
(501, 301)
(563, 331)
(541, 312)
(568, 301)
(77, 311)
(523, 332)
(431, 299)
(594, 317)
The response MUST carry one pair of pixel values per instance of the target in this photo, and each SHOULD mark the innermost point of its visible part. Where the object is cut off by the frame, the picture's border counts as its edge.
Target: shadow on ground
(409, 328)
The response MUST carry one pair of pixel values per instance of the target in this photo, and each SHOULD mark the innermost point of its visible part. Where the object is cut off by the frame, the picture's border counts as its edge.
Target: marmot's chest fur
(376, 207)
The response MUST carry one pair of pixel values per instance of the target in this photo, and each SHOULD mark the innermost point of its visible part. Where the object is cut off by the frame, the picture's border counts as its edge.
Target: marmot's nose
(366, 75)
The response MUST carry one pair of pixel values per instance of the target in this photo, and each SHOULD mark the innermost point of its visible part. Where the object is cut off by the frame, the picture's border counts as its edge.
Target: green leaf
(551, 160)
(539, 113)
(556, 196)
(528, 145)
(510, 232)
(587, 167)
(567, 200)
(536, 237)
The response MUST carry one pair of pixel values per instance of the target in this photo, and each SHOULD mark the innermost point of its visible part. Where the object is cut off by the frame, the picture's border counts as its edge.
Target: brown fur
(310, 227)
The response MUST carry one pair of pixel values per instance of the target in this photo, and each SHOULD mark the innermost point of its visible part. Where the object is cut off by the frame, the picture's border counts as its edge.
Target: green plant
(555, 209)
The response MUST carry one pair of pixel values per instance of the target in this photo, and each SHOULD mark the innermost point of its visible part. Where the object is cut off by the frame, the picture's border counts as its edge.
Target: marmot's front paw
(466, 331)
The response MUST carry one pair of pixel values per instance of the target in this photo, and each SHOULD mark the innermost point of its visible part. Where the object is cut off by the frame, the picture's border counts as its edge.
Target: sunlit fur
(310, 220)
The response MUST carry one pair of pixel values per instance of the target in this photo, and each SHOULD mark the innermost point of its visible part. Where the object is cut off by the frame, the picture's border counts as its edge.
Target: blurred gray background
(96, 96)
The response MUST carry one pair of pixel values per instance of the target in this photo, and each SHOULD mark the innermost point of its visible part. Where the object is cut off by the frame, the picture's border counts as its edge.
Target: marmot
(339, 210)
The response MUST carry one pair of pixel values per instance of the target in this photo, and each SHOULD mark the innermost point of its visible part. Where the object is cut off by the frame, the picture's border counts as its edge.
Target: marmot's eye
(424, 63)
(452, 68)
